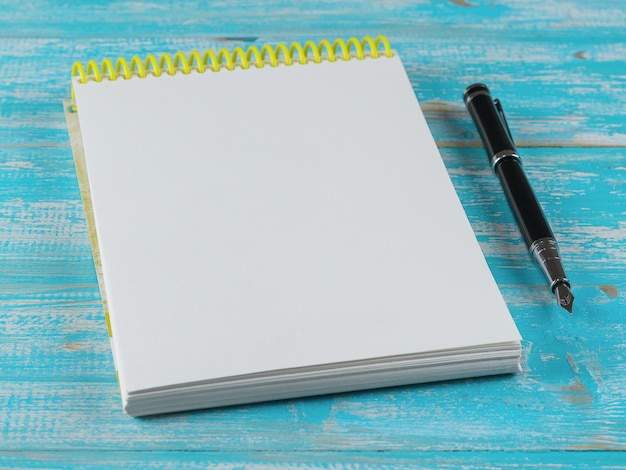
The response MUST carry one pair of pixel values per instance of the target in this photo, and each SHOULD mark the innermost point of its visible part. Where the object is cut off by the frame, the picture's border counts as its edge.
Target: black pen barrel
(505, 161)
(491, 128)
(522, 200)
(496, 136)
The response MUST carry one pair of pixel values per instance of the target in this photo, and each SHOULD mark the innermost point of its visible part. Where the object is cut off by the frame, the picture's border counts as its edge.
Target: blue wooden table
(560, 69)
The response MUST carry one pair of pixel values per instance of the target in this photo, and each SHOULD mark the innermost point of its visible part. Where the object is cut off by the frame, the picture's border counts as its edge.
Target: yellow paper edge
(76, 141)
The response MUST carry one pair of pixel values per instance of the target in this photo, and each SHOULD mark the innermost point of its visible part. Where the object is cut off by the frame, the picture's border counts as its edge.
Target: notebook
(277, 222)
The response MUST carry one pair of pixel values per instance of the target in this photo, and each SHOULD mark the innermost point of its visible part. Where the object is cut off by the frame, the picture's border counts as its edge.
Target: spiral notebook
(277, 222)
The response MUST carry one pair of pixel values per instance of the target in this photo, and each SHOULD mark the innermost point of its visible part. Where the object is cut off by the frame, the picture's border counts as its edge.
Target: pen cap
(489, 122)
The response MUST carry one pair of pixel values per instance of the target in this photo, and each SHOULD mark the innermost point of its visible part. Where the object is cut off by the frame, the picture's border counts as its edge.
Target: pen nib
(564, 297)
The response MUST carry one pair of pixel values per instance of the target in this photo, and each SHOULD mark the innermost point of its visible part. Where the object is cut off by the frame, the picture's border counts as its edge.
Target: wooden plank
(582, 194)
(543, 110)
(560, 87)
(581, 191)
(387, 460)
(45, 18)
(58, 387)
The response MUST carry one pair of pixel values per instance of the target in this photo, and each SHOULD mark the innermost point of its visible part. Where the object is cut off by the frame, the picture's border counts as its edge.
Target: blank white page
(264, 219)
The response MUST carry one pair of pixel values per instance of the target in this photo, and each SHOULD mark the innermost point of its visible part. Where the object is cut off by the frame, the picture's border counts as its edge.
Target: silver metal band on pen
(546, 253)
(472, 95)
(498, 157)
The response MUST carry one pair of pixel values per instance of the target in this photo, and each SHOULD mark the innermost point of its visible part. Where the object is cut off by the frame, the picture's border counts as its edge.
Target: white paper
(263, 219)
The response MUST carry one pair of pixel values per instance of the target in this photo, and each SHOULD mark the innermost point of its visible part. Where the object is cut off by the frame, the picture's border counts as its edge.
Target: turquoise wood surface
(560, 69)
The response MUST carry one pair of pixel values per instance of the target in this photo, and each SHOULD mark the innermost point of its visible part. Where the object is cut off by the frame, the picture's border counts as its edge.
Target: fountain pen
(505, 161)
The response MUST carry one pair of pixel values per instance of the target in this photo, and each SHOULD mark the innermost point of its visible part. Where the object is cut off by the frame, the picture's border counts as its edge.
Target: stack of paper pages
(281, 231)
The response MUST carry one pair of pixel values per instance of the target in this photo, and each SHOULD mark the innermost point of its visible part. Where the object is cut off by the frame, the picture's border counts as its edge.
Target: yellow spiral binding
(229, 60)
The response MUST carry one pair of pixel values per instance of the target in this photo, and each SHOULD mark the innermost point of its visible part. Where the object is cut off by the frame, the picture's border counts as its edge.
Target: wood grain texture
(560, 69)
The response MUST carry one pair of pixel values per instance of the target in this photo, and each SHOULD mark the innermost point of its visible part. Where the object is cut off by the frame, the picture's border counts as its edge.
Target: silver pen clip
(500, 111)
